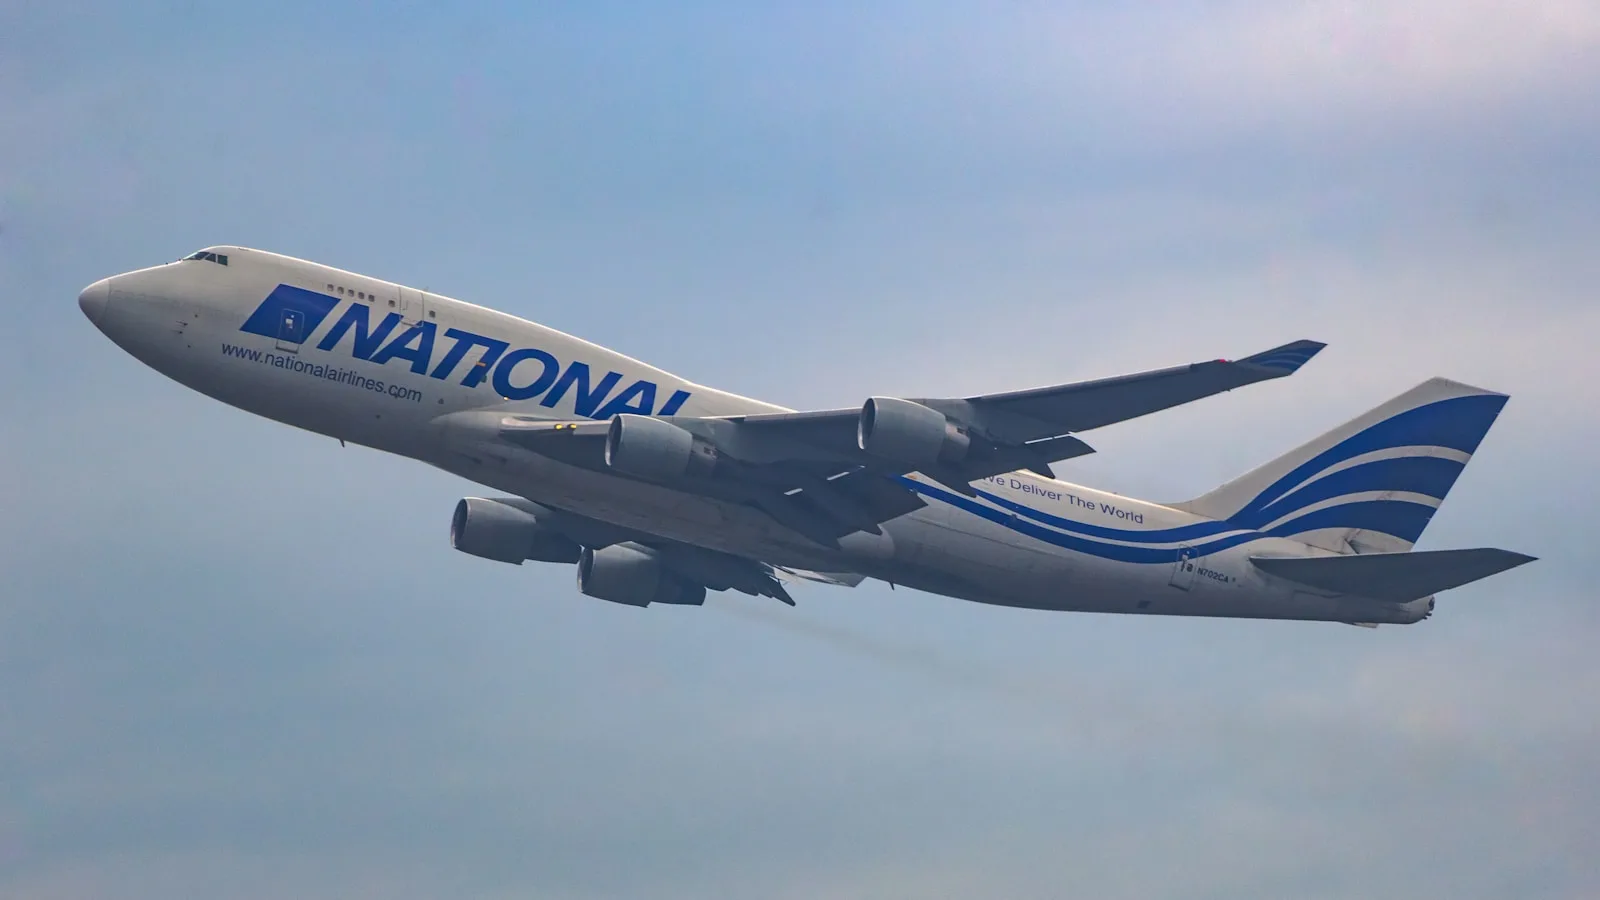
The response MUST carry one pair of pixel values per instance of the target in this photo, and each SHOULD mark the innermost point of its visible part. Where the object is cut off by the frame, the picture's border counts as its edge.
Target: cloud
(1296, 60)
(1204, 72)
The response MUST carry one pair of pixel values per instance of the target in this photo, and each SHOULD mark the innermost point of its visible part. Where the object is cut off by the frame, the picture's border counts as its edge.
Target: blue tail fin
(1371, 485)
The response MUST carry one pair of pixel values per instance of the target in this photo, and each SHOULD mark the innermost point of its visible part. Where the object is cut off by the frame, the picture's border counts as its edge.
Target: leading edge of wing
(1275, 363)
(1081, 406)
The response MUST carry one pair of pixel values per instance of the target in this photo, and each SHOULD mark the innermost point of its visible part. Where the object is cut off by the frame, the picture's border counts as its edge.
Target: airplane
(658, 489)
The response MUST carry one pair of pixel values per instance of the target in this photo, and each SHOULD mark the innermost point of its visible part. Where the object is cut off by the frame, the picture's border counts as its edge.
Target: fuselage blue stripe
(1150, 536)
(1118, 552)
(1397, 517)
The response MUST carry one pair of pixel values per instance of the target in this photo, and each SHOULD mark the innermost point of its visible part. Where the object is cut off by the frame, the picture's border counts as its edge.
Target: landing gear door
(1183, 571)
(413, 306)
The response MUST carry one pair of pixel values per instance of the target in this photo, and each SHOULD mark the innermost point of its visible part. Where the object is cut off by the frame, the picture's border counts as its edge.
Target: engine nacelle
(656, 450)
(909, 433)
(632, 575)
(502, 532)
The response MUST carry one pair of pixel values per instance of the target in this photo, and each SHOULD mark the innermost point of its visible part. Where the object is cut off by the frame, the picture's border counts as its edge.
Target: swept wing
(826, 474)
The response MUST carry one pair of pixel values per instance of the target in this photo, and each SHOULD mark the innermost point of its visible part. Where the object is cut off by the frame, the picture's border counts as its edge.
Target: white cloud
(1299, 58)
(1204, 72)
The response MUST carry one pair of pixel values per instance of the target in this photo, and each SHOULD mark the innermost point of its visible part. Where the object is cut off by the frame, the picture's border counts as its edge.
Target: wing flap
(838, 579)
(822, 501)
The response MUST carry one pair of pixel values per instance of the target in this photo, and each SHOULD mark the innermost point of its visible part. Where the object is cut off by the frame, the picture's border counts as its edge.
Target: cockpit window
(220, 258)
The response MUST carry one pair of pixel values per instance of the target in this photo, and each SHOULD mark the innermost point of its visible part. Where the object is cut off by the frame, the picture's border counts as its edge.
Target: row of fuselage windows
(343, 291)
(360, 295)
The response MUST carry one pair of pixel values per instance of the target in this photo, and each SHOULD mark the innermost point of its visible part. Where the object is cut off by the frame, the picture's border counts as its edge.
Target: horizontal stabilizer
(1393, 576)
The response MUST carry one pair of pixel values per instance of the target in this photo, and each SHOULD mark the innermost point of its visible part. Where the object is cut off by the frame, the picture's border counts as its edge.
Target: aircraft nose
(93, 300)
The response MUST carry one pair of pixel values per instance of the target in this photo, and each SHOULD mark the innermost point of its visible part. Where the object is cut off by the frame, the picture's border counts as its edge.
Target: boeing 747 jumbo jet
(659, 489)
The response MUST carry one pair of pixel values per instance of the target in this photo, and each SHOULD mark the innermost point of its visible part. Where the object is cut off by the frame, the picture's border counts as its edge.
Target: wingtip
(1286, 359)
(1519, 559)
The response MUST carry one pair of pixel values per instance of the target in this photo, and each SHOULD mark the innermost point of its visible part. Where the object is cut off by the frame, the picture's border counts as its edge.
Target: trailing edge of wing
(839, 579)
(819, 499)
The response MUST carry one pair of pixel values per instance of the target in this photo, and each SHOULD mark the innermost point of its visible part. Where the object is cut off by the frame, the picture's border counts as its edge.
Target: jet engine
(494, 529)
(632, 575)
(909, 433)
(656, 450)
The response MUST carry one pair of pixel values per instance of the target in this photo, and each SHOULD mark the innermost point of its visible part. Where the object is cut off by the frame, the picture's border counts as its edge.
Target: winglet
(1287, 359)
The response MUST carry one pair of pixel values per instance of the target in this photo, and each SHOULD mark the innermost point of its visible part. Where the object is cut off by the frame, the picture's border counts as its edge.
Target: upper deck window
(220, 258)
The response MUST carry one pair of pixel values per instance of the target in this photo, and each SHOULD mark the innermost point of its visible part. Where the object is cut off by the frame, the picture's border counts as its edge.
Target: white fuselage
(404, 371)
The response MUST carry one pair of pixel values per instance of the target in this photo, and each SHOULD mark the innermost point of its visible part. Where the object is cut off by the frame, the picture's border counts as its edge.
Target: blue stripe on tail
(1458, 423)
(1401, 518)
(1429, 476)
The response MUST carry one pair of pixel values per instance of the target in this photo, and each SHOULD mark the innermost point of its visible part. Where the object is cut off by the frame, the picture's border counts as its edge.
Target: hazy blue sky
(238, 661)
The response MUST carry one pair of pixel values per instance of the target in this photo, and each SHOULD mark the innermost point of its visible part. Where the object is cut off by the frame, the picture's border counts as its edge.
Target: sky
(237, 660)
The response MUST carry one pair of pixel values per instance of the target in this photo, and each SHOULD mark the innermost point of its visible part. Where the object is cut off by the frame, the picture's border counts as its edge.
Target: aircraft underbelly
(673, 515)
(936, 549)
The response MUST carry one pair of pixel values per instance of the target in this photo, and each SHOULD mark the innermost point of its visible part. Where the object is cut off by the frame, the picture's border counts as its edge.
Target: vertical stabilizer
(1370, 485)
